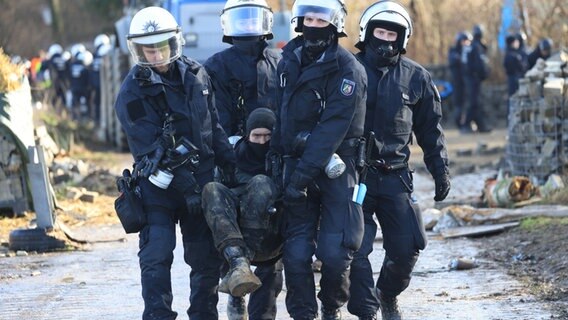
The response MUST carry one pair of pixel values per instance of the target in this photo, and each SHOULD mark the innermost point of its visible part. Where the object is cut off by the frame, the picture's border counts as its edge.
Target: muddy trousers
(244, 221)
(156, 246)
(389, 197)
(340, 234)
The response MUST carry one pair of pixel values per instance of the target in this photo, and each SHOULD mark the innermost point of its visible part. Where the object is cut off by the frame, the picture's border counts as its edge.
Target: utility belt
(349, 146)
(381, 165)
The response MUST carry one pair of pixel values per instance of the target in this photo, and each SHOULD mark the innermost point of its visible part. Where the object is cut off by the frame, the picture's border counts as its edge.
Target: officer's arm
(222, 99)
(345, 95)
(427, 114)
(224, 153)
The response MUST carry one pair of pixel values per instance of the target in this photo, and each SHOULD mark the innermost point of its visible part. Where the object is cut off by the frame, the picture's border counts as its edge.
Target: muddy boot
(389, 307)
(236, 308)
(240, 278)
(334, 314)
(224, 285)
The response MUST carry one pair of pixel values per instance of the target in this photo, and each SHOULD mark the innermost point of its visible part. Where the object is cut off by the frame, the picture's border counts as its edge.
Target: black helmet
(545, 44)
(478, 31)
(510, 39)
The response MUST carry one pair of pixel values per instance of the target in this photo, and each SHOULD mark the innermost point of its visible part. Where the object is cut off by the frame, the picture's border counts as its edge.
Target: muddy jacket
(190, 98)
(242, 83)
(401, 99)
(326, 98)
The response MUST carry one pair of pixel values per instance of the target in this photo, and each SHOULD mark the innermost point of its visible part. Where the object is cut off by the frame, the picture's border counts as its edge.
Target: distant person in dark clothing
(476, 71)
(463, 39)
(543, 51)
(514, 63)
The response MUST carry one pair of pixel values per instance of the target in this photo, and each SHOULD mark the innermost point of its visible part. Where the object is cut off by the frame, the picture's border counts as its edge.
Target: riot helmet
(389, 15)
(332, 11)
(76, 49)
(522, 37)
(101, 40)
(53, 50)
(85, 57)
(246, 18)
(154, 38)
(462, 36)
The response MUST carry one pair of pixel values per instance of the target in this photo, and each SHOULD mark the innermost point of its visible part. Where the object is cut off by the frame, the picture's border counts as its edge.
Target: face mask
(316, 40)
(382, 53)
(259, 150)
(249, 45)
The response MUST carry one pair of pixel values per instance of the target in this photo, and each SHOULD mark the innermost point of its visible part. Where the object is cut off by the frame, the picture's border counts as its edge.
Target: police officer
(477, 70)
(57, 64)
(244, 75)
(80, 84)
(515, 64)
(401, 99)
(543, 51)
(166, 108)
(320, 121)
(463, 40)
(245, 219)
(102, 47)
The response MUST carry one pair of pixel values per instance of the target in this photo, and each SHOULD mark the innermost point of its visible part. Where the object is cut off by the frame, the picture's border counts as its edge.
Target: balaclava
(316, 41)
(252, 45)
(252, 155)
(381, 52)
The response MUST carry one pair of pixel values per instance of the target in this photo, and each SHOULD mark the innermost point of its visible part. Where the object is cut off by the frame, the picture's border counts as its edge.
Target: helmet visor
(330, 11)
(246, 21)
(156, 54)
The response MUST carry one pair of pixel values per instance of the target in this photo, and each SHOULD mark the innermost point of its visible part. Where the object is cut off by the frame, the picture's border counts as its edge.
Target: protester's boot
(389, 307)
(236, 308)
(224, 285)
(330, 314)
(240, 279)
(371, 317)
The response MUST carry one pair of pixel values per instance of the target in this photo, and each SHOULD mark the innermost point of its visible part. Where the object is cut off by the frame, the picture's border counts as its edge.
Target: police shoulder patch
(347, 87)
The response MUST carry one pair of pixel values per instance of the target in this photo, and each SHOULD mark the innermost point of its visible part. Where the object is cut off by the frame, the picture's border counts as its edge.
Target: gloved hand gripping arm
(184, 182)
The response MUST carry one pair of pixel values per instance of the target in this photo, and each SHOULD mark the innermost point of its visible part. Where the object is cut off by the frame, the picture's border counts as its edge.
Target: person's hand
(193, 203)
(228, 174)
(184, 181)
(149, 163)
(442, 187)
(296, 191)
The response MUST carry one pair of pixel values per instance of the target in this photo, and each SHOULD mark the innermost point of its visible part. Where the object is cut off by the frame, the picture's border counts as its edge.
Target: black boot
(236, 308)
(240, 279)
(333, 314)
(371, 317)
(389, 307)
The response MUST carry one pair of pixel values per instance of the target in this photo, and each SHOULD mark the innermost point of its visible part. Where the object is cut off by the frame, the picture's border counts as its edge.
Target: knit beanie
(260, 118)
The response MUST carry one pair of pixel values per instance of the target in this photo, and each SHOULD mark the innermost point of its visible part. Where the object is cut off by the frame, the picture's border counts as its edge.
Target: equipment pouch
(128, 205)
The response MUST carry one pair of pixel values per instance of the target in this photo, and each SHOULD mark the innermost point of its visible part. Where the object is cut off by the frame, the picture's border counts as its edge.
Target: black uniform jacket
(325, 98)
(192, 100)
(403, 99)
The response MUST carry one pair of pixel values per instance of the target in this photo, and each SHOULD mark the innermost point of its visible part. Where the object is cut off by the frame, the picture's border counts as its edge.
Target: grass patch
(533, 223)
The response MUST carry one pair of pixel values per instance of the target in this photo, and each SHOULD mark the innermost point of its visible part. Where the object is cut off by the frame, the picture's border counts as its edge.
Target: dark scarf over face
(382, 53)
(252, 46)
(316, 41)
(251, 157)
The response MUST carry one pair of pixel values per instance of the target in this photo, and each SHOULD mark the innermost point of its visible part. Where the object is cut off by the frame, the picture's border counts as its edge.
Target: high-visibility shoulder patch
(347, 87)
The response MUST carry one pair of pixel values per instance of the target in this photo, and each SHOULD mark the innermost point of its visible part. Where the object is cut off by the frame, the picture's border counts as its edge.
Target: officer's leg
(299, 247)
(157, 242)
(402, 236)
(205, 262)
(262, 302)
(340, 235)
(363, 301)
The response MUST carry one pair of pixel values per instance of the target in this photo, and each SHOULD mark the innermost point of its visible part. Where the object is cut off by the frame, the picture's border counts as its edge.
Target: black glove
(296, 191)
(442, 186)
(193, 203)
(123, 182)
(228, 175)
(184, 182)
(149, 163)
